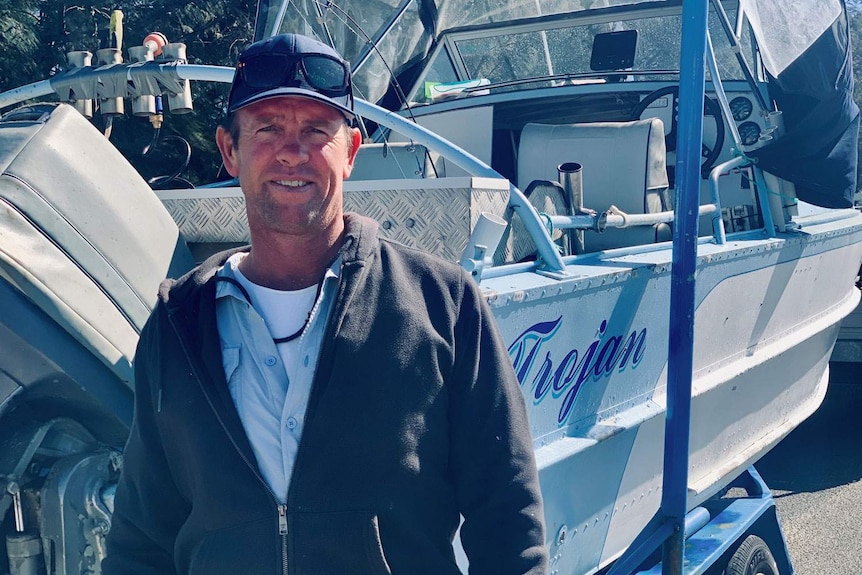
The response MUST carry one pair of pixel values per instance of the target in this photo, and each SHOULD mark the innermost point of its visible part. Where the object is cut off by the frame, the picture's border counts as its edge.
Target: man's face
(291, 155)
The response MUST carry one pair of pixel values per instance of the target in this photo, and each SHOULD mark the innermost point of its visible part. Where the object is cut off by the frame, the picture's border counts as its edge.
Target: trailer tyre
(752, 557)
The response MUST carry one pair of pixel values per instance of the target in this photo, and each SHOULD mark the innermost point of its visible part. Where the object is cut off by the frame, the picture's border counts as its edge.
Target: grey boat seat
(623, 164)
(391, 161)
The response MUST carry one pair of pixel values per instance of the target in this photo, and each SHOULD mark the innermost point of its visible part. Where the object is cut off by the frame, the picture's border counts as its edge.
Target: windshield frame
(448, 48)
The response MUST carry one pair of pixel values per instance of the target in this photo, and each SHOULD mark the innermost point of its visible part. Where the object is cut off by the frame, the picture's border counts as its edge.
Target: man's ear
(224, 141)
(356, 137)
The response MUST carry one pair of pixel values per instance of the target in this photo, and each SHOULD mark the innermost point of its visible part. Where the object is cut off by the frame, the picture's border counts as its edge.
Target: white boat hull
(767, 318)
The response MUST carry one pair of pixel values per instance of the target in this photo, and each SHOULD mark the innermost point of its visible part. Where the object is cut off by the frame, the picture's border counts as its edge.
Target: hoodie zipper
(282, 530)
(281, 508)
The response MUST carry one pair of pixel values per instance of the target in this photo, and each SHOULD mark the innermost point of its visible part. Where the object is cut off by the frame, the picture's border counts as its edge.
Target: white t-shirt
(284, 312)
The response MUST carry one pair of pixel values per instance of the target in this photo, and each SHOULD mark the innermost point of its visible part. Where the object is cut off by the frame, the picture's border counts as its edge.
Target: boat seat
(623, 165)
(391, 161)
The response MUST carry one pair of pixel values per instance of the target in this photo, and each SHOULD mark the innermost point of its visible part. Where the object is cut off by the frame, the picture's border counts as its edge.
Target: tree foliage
(38, 34)
(19, 27)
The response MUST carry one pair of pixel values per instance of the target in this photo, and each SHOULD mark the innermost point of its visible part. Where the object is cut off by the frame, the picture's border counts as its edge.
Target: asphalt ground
(815, 475)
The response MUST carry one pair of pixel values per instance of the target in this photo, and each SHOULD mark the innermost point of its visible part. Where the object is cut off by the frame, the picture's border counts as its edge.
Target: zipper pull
(282, 519)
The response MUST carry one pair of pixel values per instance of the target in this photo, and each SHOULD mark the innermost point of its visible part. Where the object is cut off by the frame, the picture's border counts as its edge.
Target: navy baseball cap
(292, 65)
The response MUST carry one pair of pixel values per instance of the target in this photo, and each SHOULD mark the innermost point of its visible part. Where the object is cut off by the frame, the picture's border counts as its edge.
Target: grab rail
(614, 218)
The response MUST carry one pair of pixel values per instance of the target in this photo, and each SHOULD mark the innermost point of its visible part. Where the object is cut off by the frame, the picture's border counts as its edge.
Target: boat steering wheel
(710, 109)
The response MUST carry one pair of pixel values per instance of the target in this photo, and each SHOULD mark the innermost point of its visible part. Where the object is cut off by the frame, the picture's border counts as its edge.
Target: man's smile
(292, 183)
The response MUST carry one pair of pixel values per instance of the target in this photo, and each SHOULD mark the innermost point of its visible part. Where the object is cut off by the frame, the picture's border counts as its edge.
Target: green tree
(20, 29)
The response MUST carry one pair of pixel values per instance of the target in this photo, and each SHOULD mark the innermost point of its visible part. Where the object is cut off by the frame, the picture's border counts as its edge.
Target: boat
(655, 197)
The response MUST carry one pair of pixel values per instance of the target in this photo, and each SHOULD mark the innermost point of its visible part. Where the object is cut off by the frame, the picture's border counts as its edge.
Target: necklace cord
(276, 340)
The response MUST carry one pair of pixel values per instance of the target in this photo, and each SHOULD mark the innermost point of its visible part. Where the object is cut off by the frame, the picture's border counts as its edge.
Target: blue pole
(681, 341)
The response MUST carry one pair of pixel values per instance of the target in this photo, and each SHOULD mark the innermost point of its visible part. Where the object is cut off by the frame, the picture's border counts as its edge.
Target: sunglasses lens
(324, 73)
(266, 70)
(319, 73)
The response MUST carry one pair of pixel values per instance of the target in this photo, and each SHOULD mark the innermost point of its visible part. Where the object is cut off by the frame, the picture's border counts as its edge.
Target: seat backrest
(392, 161)
(623, 165)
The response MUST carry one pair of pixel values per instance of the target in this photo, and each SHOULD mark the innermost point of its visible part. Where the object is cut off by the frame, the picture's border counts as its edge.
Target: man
(325, 402)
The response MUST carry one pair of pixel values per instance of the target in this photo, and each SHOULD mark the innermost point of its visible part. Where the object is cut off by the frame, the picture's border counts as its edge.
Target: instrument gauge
(741, 108)
(749, 132)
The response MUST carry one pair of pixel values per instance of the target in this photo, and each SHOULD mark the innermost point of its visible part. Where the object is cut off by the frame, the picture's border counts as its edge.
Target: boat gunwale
(620, 264)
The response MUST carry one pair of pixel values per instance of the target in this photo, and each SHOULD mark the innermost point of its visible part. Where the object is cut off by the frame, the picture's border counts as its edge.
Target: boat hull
(593, 368)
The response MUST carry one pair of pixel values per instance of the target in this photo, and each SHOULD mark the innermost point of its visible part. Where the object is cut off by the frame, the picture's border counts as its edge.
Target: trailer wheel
(752, 557)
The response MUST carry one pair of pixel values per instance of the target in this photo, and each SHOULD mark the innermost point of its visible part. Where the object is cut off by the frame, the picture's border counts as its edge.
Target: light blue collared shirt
(271, 397)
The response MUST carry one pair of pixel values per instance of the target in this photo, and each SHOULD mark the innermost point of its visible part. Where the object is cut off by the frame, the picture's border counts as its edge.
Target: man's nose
(292, 152)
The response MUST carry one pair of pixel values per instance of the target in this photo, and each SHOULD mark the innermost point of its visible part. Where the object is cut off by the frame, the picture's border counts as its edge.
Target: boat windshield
(503, 59)
(392, 40)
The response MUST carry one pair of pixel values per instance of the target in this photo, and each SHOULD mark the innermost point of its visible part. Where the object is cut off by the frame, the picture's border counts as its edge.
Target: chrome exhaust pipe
(572, 180)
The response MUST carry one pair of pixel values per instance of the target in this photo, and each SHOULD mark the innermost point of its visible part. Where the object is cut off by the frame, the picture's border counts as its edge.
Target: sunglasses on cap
(318, 72)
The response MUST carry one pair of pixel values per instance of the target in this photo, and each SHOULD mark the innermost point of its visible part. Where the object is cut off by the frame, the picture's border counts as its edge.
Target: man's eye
(267, 129)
